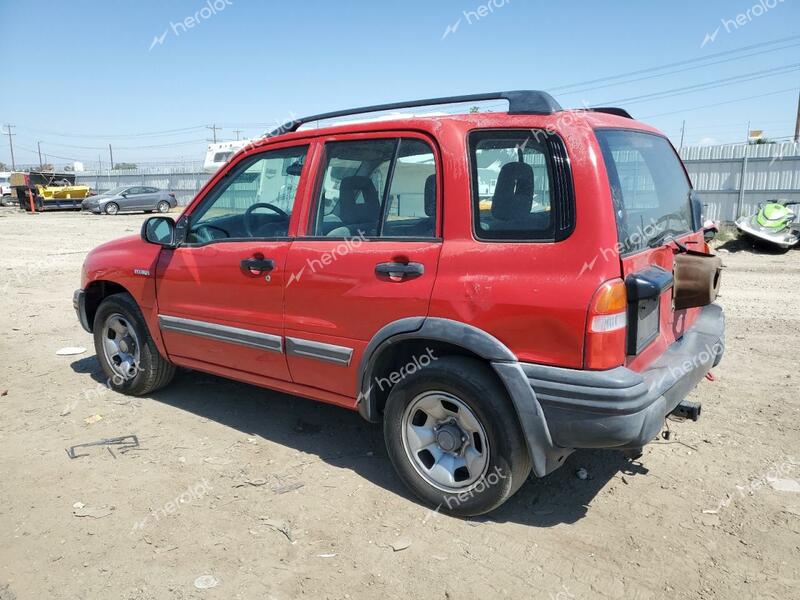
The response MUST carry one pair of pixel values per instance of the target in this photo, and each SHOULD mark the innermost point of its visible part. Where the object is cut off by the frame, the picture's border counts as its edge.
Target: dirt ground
(278, 497)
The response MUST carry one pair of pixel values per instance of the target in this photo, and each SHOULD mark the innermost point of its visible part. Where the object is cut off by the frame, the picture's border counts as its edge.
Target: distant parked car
(5, 187)
(130, 198)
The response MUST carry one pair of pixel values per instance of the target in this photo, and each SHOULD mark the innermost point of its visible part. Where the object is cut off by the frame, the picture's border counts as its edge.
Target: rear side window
(376, 188)
(649, 188)
(521, 188)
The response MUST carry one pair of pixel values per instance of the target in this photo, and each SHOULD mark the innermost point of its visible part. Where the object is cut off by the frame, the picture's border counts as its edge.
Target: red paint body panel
(116, 262)
(207, 283)
(533, 297)
(346, 303)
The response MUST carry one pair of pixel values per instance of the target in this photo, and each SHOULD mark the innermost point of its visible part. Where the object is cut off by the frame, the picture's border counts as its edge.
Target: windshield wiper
(663, 238)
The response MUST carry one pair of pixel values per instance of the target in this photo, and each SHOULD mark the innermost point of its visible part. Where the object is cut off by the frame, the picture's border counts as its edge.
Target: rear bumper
(621, 408)
(79, 304)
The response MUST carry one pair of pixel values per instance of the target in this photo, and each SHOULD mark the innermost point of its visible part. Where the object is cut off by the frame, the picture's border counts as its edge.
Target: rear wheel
(111, 208)
(453, 437)
(126, 351)
(163, 206)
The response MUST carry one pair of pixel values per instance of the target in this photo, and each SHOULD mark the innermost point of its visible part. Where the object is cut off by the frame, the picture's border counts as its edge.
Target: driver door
(220, 292)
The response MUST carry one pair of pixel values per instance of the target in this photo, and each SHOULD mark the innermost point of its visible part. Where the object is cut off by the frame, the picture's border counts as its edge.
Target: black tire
(163, 207)
(475, 384)
(154, 371)
(112, 208)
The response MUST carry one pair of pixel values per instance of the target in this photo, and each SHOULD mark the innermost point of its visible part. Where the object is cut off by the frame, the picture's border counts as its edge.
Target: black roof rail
(520, 102)
(612, 110)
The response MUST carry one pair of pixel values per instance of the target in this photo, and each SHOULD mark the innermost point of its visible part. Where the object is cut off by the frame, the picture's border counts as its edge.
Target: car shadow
(343, 439)
(744, 244)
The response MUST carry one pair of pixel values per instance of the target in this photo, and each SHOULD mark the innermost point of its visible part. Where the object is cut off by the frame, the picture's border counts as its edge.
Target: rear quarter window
(521, 186)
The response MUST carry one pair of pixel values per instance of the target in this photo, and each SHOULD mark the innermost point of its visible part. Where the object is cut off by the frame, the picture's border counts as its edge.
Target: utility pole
(238, 131)
(111, 155)
(39, 148)
(213, 127)
(11, 145)
(747, 135)
(797, 122)
(683, 129)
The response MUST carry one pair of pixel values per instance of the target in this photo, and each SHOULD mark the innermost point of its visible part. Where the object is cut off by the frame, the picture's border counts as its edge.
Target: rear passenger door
(134, 198)
(369, 254)
(150, 197)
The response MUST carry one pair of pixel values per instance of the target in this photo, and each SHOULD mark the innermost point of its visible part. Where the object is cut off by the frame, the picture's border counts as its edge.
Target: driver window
(254, 200)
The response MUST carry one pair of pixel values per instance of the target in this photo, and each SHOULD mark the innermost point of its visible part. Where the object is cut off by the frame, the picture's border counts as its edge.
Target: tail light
(171, 195)
(606, 327)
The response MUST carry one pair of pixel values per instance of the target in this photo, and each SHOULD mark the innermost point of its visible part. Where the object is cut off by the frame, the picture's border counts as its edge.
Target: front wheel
(126, 350)
(453, 437)
(111, 208)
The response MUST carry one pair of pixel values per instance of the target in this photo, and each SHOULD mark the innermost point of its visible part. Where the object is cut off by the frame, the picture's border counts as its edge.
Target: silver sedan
(130, 198)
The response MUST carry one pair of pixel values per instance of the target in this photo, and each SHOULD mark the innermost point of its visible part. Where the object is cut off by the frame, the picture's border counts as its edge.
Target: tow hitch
(688, 410)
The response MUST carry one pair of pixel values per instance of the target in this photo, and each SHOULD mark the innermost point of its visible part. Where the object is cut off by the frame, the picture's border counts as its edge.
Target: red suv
(496, 288)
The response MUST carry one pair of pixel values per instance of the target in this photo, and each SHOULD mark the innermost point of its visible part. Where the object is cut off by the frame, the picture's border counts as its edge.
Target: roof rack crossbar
(520, 102)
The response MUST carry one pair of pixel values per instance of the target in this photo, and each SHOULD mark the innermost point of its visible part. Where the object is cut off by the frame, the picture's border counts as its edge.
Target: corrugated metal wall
(770, 171)
(185, 182)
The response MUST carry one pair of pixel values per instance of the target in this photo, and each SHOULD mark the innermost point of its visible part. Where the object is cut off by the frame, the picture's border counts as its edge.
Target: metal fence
(769, 171)
(185, 180)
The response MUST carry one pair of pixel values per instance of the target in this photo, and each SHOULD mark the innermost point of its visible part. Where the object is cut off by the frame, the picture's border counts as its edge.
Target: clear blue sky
(87, 68)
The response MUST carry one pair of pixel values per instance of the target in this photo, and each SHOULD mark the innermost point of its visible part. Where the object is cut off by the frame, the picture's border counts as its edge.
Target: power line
(675, 112)
(35, 152)
(674, 64)
(165, 145)
(165, 132)
(676, 71)
(703, 86)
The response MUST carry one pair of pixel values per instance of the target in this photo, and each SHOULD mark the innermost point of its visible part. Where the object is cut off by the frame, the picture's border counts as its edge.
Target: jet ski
(774, 224)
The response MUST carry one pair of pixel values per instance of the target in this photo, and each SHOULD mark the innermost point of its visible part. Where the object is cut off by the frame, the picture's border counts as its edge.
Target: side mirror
(295, 169)
(159, 231)
(710, 230)
(697, 211)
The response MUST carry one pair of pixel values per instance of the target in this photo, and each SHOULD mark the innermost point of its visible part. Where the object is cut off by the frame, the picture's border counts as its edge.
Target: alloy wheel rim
(112, 209)
(445, 442)
(163, 207)
(121, 347)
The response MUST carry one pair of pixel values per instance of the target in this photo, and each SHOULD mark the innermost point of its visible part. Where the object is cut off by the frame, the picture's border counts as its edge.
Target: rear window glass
(649, 188)
(511, 183)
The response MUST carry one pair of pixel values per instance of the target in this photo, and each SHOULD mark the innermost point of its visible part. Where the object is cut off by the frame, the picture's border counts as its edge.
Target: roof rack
(612, 110)
(520, 102)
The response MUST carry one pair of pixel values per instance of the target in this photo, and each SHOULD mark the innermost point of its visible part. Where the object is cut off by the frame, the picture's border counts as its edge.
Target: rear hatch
(653, 206)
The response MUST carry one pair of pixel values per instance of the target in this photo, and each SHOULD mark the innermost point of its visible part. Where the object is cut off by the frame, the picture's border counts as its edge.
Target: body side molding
(340, 355)
(223, 333)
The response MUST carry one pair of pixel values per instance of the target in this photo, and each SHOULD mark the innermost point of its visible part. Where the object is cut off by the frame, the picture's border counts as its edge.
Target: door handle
(397, 270)
(257, 265)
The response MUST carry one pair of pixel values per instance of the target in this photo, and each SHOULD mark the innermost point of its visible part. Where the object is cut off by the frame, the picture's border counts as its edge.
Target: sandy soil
(279, 497)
